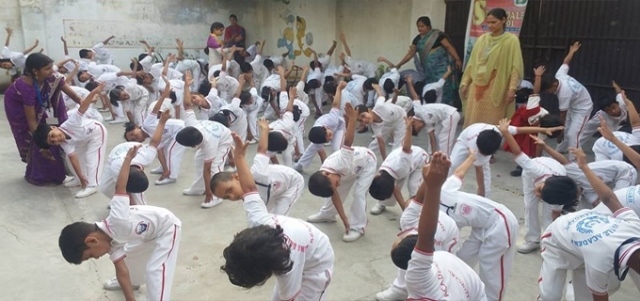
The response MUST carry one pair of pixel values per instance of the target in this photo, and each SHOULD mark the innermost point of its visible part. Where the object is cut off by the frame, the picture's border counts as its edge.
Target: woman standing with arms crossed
(436, 53)
(493, 73)
(28, 102)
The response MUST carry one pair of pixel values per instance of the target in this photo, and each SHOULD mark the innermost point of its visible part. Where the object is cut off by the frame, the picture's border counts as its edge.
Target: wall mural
(294, 37)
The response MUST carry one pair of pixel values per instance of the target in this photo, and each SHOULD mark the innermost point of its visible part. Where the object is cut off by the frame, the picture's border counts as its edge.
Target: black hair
(277, 142)
(84, 53)
(215, 26)
(368, 84)
(388, 86)
(265, 93)
(626, 127)
(559, 190)
(312, 65)
(382, 186)
(189, 136)
(204, 67)
(547, 82)
(330, 87)
(238, 57)
(206, 50)
(41, 134)
(418, 87)
(221, 177)
(36, 61)
(430, 96)
(71, 241)
(499, 14)
(401, 254)
(488, 142)
(114, 95)
(221, 117)
(245, 67)
(91, 85)
(172, 96)
(137, 181)
(141, 56)
(362, 109)
(549, 121)
(245, 98)
(319, 185)
(216, 73)
(140, 79)
(329, 78)
(255, 254)
(268, 63)
(522, 95)
(204, 88)
(424, 20)
(605, 101)
(135, 67)
(80, 74)
(233, 16)
(6, 60)
(313, 84)
(128, 127)
(297, 112)
(318, 135)
(633, 147)
(411, 113)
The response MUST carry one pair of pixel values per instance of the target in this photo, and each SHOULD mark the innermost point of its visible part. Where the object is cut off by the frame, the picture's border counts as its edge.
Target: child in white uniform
(12, 60)
(364, 68)
(327, 128)
(234, 113)
(446, 239)
(338, 174)
(279, 186)
(134, 99)
(83, 140)
(301, 255)
(212, 141)
(613, 110)
(574, 100)
(438, 275)
(485, 139)
(169, 151)
(543, 179)
(390, 80)
(387, 120)
(494, 230)
(282, 134)
(596, 247)
(91, 113)
(439, 120)
(142, 242)
(402, 165)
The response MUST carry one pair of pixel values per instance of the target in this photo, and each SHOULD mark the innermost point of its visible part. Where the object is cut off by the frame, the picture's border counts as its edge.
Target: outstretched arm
(606, 133)
(343, 38)
(572, 50)
(382, 59)
(188, 80)
(9, 33)
(606, 195)
(434, 179)
(244, 171)
(64, 46)
(537, 82)
(163, 96)
(107, 40)
(123, 176)
(84, 104)
(550, 150)
(157, 135)
(263, 143)
(180, 44)
(634, 119)
(503, 126)
(407, 57)
(461, 171)
(35, 44)
(412, 90)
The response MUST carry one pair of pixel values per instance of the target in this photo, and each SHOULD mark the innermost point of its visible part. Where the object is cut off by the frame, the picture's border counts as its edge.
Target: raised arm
(343, 39)
(165, 94)
(434, 179)
(165, 68)
(537, 82)
(315, 58)
(107, 40)
(283, 80)
(550, 150)
(407, 57)
(8, 39)
(244, 171)
(572, 50)
(634, 119)
(85, 103)
(412, 90)
(156, 138)
(407, 140)
(35, 44)
(123, 175)
(606, 195)
(352, 118)
(382, 59)
(72, 73)
(305, 72)
(461, 171)
(188, 80)
(292, 97)
(293, 66)
(503, 126)
(606, 133)
(64, 46)
(263, 142)
(180, 44)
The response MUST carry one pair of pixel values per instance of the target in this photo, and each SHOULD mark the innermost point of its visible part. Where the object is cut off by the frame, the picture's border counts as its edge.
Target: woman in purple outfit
(29, 101)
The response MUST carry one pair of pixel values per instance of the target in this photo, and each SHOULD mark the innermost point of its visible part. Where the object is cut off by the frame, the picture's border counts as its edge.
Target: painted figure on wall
(296, 41)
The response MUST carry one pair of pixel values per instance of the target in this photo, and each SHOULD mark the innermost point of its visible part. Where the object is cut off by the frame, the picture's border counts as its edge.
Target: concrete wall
(373, 27)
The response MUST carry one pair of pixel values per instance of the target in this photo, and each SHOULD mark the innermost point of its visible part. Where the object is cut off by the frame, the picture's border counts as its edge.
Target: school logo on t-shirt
(465, 210)
(141, 228)
(591, 228)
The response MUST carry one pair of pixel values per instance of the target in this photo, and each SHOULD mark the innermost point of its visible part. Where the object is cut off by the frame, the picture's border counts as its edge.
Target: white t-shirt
(126, 224)
(260, 72)
(538, 170)
(348, 162)
(215, 103)
(286, 126)
(356, 87)
(393, 75)
(111, 80)
(238, 122)
(442, 276)
(272, 81)
(177, 86)
(78, 129)
(390, 113)
(629, 197)
(588, 234)
(437, 86)
(469, 210)
(400, 164)
(572, 95)
(214, 135)
(447, 234)
(311, 251)
(227, 86)
(432, 114)
(272, 180)
(469, 138)
(617, 174)
(348, 97)
(332, 121)
(171, 128)
(138, 96)
(19, 59)
(156, 72)
(68, 102)
(102, 54)
(96, 70)
(364, 68)
(145, 156)
(606, 150)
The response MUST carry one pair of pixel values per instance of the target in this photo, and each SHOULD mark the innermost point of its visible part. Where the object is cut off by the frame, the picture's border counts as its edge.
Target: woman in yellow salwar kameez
(493, 73)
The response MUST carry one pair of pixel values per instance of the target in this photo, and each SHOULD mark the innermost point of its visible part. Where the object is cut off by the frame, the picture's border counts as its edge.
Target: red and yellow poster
(478, 12)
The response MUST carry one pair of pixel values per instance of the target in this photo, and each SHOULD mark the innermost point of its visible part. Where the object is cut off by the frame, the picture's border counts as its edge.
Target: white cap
(525, 84)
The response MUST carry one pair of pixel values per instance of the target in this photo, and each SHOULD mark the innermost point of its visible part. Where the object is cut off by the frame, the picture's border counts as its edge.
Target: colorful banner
(478, 12)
